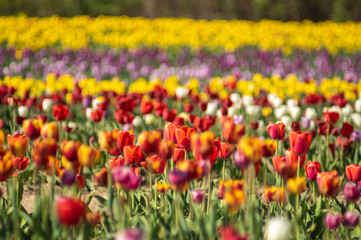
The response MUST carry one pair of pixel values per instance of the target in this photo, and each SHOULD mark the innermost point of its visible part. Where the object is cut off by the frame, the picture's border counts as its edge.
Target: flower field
(132, 128)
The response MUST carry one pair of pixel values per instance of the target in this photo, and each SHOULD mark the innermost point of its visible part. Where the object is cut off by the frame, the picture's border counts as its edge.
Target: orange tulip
(286, 168)
(231, 132)
(116, 162)
(6, 166)
(169, 132)
(183, 135)
(124, 138)
(154, 164)
(300, 142)
(88, 156)
(226, 150)
(2, 138)
(328, 183)
(146, 107)
(50, 130)
(276, 131)
(165, 149)
(42, 150)
(178, 154)
(162, 187)
(353, 172)
(133, 155)
(108, 141)
(18, 144)
(32, 128)
(20, 162)
(291, 156)
(274, 194)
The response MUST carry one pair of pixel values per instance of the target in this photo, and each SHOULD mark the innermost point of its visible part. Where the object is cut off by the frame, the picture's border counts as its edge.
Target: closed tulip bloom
(146, 107)
(226, 150)
(116, 162)
(197, 196)
(108, 142)
(169, 132)
(300, 142)
(88, 156)
(328, 183)
(20, 162)
(69, 149)
(285, 168)
(296, 185)
(133, 154)
(2, 138)
(351, 219)
(125, 178)
(60, 112)
(70, 211)
(178, 180)
(67, 177)
(352, 192)
(202, 143)
(178, 154)
(50, 130)
(162, 187)
(124, 138)
(183, 135)
(332, 221)
(276, 131)
(165, 150)
(96, 115)
(154, 164)
(251, 149)
(353, 172)
(274, 194)
(346, 130)
(229, 233)
(18, 144)
(101, 177)
(269, 148)
(231, 132)
(311, 169)
(6, 166)
(331, 116)
(291, 156)
(80, 181)
(32, 128)
(149, 141)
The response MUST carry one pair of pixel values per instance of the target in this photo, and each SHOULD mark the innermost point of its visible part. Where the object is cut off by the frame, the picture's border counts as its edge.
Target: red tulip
(300, 142)
(149, 141)
(183, 135)
(20, 162)
(312, 168)
(178, 154)
(146, 107)
(96, 115)
(70, 211)
(226, 150)
(353, 172)
(286, 168)
(60, 112)
(133, 154)
(101, 177)
(165, 149)
(154, 164)
(346, 129)
(331, 116)
(169, 115)
(291, 156)
(124, 138)
(276, 131)
(328, 183)
(32, 128)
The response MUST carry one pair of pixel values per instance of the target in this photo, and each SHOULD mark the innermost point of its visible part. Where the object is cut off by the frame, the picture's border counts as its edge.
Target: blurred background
(285, 10)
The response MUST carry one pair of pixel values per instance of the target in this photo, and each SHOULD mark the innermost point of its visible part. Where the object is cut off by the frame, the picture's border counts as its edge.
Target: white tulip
(277, 102)
(137, 121)
(235, 98)
(261, 126)
(280, 111)
(347, 110)
(277, 229)
(310, 113)
(23, 111)
(247, 100)
(88, 112)
(184, 115)
(356, 118)
(295, 112)
(287, 121)
(72, 125)
(211, 108)
(232, 111)
(182, 92)
(253, 110)
(95, 103)
(358, 105)
(271, 97)
(46, 105)
(219, 113)
(149, 119)
(292, 103)
(312, 125)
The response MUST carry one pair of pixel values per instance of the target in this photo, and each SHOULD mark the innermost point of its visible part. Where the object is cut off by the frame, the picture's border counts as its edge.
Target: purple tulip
(306, 122)
(356, 135)
(240, 160)
(177, 177)
(67, 177)
(332, 221)
(197, 196)
(130, 234)
(126, 177)
(351, 219)
(352, 192)
(238, 119)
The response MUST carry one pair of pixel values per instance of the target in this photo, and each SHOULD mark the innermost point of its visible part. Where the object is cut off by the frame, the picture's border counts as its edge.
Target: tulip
(276, 131)
(80, 181)
(42, 149)
(331, 116)
(154, 164)
(137, 121)
(50, 130)
(231, 132)
(20, 162)
(165, 149)
(351, 219)
(149, 119)
(182, 92)
(312, 168)
(284, 167)
(2, 138)
(300, 142)
(126, 178)
(67, 177)
(250, 148)
(328, 183)
(88, 156)
(269, 148)
(133, 154)
(169, 132)
(346, 129)
(23, 111)
(226, 150)
(101, 177)
(60, 112)
(124, 138)
(47, 104)
(130, 234)
(69, 149)
(116, 162)
(352, 192)
(183, 135)
(274, 194)
(32, 128)
(277, 229)
(149, 141)
(18, 144)
(203, 144)
(229, 233)
(96, 115)
(332, 221)
(178, 180)
(296, 185)
(291, 156)
(6, 166)
(146, 107)
(197, 196)
(108, 141)
(70, 211)
(178, 154)
(162, 187)
(353, 172)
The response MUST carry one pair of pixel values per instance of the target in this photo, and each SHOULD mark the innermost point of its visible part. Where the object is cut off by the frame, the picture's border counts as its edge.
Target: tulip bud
(182, 92)
(197, 196)
(312, 168)
(332, 221)
(351, 219)
(353, 172)
(137, 121)
(32, 128)
(18, 144)
(352, 192)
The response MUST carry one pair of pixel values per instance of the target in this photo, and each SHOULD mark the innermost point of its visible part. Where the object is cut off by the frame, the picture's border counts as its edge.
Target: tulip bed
(220, 143)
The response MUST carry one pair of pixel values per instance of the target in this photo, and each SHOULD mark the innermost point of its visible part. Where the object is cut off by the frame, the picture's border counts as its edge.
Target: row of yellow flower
(290, 87)
(84, 31)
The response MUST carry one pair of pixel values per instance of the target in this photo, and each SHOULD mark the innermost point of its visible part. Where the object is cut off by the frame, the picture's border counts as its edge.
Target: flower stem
(209, 191)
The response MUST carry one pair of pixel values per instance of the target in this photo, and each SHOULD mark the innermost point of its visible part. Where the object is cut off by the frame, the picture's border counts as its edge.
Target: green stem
(314, 191)
(298, 166)
(327, 139)
(224, 168)
(209, 191)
